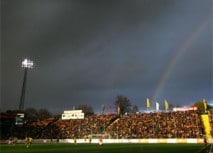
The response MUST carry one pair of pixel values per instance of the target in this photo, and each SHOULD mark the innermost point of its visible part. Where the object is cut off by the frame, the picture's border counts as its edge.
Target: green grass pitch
(106, 148)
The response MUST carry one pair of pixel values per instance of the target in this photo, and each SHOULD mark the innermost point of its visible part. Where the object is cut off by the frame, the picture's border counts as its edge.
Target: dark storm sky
(90, 51)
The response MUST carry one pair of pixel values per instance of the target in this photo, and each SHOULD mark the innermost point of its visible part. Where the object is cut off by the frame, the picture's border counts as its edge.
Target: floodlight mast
(26, 64)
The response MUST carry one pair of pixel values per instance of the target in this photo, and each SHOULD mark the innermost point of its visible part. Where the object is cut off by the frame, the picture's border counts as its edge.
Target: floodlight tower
(26, 64)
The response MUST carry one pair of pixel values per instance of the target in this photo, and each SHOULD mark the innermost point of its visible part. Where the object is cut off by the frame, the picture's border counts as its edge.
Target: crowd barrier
(172, 140)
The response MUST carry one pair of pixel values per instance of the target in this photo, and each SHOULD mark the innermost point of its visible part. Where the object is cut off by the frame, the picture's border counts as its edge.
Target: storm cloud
(88, 52)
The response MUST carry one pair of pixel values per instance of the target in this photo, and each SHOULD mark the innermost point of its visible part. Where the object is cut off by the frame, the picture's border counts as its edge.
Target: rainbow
(178, 54)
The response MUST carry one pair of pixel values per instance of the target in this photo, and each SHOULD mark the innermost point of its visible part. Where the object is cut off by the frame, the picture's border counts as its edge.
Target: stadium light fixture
(26, 64)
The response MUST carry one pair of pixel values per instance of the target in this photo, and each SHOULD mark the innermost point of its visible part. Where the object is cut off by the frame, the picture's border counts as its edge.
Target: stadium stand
(6, 125)
(95, 124)
(158, 125)
(180, 124)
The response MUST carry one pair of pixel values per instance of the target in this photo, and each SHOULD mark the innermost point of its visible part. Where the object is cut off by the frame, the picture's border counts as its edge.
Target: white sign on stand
(72, 114)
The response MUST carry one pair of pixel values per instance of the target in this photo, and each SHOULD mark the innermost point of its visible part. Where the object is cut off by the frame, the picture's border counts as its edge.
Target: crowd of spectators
(184, 124)
(42, 128)
(80, 128)
(158, 125)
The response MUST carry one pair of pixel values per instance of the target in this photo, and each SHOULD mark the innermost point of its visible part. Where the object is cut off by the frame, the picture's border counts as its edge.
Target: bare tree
(122, 104)
(31, 113)
(88, 110)
(135, 109)
(43, 114)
